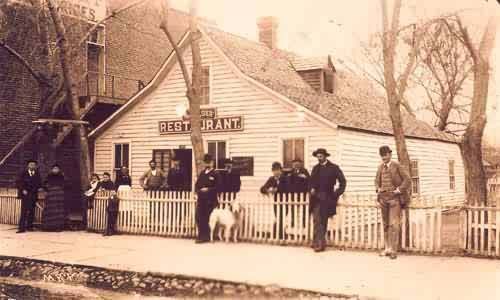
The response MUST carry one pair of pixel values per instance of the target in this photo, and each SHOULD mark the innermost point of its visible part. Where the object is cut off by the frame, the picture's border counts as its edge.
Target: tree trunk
(444, 113)
(80, 141)
(195, 92)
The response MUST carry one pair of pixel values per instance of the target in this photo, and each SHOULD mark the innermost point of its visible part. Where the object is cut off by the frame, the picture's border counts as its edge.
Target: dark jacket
(208, 180)
(29, 183)
(298, 180)
(323, 181)
(176, 180)
(400, 179)
(123, 180)
(55, 180)
(107, 185)
(281, 184)
(229, 181)
(113, 203)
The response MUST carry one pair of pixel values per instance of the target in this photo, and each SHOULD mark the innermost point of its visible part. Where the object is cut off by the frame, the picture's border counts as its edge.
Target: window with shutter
(292, 149)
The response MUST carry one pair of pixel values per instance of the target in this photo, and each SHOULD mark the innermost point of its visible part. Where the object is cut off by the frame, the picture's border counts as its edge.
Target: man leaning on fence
(28, 183)
(393, 186)
(324, 196)
(206, 189)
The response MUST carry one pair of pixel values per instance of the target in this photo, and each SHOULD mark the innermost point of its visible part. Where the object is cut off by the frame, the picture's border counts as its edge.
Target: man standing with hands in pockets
(28, 183)
(393, 186)
(206, 189)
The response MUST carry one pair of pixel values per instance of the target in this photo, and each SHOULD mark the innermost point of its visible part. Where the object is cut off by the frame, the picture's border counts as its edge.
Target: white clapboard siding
(359, 160)
(266, 122)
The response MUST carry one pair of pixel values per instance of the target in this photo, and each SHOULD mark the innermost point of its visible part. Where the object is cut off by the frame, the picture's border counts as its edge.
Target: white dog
(228, 220)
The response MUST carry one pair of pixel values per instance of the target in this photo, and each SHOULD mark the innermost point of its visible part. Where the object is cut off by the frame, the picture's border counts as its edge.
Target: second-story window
(415, 178)
(205, 85)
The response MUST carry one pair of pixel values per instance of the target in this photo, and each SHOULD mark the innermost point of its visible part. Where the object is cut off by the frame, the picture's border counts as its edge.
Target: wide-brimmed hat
(227, 161)
(384, 150)
(321, 151)
(276, 166)
(207, 158)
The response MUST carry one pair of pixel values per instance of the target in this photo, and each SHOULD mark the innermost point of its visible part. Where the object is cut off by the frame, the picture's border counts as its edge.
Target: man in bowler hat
(393, 185)
(230, 179)
(276, 185)
(28, 183)
(206, 189)
(324, 196)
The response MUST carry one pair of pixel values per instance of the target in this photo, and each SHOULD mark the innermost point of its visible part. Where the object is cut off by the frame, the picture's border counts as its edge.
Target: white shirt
(153, 172)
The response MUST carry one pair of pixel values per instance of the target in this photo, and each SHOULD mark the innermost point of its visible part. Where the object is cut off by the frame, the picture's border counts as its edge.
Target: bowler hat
(276, 166)
(384, 150)
(207, 158)
(321, 151)
(228, 161)
(297, 160)
(31, 161)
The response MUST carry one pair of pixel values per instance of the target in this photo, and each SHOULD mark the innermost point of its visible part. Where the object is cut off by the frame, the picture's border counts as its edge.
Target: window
(217, 149)
(205, 85)
(292, 149)
(328, 81)
(162, 158)
(415, 179)
(122, 152)
(451, 171)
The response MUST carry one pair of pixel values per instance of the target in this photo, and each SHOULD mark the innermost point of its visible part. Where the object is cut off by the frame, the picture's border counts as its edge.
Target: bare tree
(193, 87)
(395, 88)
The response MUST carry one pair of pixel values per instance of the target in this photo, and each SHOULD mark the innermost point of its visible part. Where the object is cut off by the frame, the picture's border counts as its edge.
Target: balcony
(101, 94)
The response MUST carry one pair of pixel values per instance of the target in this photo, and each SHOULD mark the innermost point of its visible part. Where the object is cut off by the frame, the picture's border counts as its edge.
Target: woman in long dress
(53, 217)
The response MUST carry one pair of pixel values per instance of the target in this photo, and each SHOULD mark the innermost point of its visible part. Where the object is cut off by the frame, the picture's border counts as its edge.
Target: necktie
(386, 167)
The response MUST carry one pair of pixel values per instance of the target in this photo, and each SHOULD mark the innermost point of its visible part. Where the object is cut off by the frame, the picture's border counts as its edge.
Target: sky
(321, 27)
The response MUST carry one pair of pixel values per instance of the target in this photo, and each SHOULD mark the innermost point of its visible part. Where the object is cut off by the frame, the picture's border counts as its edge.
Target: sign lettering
(223, 124)
(90, 10)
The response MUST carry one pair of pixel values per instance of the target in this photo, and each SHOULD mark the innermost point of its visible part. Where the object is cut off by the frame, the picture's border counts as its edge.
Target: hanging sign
(90, 10)
(221, 124)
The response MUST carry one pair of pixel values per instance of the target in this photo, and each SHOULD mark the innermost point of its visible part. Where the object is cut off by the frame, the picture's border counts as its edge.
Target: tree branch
(38, 76)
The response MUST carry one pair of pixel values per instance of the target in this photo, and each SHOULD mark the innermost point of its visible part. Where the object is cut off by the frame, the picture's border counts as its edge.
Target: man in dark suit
(28, 183)
(276, 185)
(230, 180)
(393, 187)
(299, 177)
(206, 189)
(324, 196)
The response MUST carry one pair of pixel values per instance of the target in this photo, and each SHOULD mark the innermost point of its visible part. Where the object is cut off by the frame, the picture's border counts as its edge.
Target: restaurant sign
(219, 124)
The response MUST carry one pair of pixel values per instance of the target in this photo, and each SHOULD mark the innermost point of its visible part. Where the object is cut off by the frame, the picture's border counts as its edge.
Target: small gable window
(328, 81)
(205, 85)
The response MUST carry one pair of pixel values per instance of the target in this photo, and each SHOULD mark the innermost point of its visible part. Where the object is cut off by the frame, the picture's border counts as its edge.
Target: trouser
(28, 204)
(391, 218)
(111, 225)
(203, 211)
(320, 220)
(280, 212)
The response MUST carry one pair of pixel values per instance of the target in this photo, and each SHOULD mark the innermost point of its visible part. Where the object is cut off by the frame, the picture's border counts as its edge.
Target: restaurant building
(262, 104)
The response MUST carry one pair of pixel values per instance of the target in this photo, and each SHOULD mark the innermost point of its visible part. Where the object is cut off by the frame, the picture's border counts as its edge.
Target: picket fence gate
(480, 226)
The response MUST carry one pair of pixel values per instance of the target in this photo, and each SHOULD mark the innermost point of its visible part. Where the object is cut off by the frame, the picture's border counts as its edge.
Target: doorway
(185, 157)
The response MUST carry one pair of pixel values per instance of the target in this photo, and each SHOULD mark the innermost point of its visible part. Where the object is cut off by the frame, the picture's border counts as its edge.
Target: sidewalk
(346, 272)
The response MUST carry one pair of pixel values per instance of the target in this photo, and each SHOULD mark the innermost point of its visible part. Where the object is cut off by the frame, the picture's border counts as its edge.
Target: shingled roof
(355, 104)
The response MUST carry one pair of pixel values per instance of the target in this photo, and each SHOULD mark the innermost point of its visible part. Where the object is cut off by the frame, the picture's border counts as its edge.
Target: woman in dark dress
(53, 217)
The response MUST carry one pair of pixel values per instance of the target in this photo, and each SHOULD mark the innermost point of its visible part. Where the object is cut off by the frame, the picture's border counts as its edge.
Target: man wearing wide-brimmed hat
(324, 196)
(393, 185)
(206, 189)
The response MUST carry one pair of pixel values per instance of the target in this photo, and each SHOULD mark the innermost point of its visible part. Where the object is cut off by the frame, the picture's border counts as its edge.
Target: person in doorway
(28, 182)
(90, 193)
(54, 217)
(153, 179)
(112, 214)
(392, 184)
(276, 185)
(324, 196)
(176, 178)
(106, 183)
(123, 177)
(230, 180)
(206, 189)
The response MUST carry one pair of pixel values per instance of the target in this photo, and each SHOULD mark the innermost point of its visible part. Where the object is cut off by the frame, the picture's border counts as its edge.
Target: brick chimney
(268, 31)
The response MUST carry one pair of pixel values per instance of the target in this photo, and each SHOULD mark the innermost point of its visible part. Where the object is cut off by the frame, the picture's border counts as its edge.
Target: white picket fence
(480, 227)
(358, 223)
(10, 207)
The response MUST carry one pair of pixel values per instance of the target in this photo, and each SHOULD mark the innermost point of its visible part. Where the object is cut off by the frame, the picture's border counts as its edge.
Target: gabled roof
(355, 104)
(311, 63)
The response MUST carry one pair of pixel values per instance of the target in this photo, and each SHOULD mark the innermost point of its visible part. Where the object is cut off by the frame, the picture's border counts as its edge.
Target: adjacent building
(262, 104)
